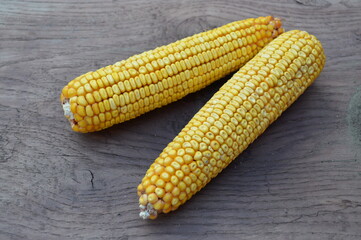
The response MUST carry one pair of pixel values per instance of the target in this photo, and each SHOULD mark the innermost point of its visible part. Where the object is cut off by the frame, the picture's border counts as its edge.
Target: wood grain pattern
(300, 180)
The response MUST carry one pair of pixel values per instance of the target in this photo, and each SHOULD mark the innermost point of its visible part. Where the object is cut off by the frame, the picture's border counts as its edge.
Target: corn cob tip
(67, 111)
(278, 29)
(147, 212)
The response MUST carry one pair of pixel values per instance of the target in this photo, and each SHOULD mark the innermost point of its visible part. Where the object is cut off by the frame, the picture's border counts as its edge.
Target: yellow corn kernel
(89, 111)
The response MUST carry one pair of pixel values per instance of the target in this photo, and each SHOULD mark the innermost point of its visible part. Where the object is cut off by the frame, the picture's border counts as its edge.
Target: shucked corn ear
(231, 120)
(129, 88)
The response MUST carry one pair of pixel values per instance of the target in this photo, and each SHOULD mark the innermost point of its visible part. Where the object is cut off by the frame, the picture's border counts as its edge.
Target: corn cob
(231, 120)
(129, 88)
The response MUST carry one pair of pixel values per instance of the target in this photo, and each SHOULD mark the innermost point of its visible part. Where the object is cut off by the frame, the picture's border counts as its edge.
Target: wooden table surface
(300, 180)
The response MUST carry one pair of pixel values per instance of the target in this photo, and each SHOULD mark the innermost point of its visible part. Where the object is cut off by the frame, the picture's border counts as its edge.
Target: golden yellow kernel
(73, 107)
(132, 98)
(112, 104)
(174, 201)
(126, 97)
(143, 200)
(132, 72)
(167, 197)
(167, 208)
(100, 83)
(108, 116)
(145, 183)
(121, 87)
(158, 170)
(198, 155)
(126, 74)
(77, 117)
(167, 161)
(89, 111)
(185, 169)
(127, 85)
(152, 198)
(103, 93)
(149, 67)
(168, 187)
(116, 100)
(81, 111)
(82, 123)
(193, 187)
(149, 173)
(175, 191)
(150, 189)
(81, 101)
(106, 105)
(178, 162)
(170, 169)
(71, 92)
(77, 84)
(190, 151)
(158, 205)
(88, 88)
(174, 180)
(215, 145)
(179, 174)
(187, 159)
(172, 153)
(140, 189)
(143, 70)
(160, 183)
(153, 179)
(187, 180)
(96, 120)
(175, 146)
(102, 117)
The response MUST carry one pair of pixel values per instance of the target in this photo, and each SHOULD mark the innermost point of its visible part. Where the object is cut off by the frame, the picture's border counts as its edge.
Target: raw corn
(129, 88)
(231, 120)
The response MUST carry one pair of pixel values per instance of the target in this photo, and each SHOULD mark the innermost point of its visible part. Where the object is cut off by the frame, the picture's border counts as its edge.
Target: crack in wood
(92, 178)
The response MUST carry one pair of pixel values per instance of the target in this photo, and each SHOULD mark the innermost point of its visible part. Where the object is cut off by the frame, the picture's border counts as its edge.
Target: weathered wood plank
(299, 180)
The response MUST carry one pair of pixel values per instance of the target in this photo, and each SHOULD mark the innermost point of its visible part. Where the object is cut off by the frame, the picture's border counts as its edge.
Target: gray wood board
(300, 180)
